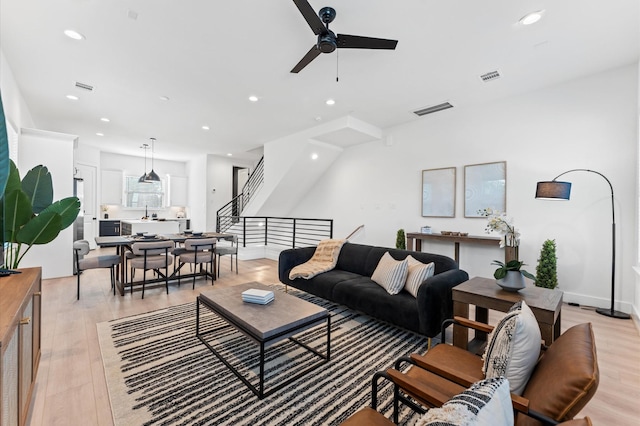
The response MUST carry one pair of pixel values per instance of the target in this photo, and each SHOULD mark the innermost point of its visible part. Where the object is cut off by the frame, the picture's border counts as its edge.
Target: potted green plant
(546, 271)
(401, 241)
(509, 275)
(30, 215)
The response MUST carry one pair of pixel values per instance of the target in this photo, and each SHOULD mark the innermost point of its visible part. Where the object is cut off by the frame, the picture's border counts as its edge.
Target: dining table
(123, 243)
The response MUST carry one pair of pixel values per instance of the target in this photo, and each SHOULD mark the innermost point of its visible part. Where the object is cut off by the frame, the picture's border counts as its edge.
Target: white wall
(220, 177)
(587, 123)
(54, 150)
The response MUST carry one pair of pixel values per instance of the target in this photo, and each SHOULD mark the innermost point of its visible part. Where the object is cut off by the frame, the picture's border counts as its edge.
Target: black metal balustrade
(283, 232)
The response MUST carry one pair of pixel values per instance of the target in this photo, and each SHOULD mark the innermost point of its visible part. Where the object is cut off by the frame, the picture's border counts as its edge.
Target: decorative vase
(106, 215)
(514, 281)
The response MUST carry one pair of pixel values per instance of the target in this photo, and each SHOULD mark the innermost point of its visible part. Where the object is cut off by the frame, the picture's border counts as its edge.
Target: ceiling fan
(328, 41)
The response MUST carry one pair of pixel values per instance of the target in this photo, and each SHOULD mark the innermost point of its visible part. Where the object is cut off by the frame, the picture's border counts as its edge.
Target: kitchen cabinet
(20, 342)
(178, 191)
(133, 226)
(111, 185)
(109, 228)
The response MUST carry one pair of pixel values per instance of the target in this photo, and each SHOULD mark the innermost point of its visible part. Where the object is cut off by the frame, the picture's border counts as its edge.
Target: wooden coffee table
(283, 318)
(485, 294)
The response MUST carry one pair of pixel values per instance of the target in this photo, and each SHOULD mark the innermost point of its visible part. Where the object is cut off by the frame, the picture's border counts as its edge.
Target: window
(144, 194)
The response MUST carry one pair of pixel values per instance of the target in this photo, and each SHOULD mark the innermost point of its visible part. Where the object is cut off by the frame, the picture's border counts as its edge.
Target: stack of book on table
(254, 295)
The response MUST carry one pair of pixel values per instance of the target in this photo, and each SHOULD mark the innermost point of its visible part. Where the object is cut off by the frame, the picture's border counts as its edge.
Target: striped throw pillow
(485, 403)
(391, 274)
(418, 272)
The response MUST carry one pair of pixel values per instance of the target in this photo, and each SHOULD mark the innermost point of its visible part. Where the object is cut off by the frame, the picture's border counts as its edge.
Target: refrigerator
(78, 224)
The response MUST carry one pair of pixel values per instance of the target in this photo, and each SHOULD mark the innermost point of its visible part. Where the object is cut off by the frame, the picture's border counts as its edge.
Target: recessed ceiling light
(531, 18)
(205, 127)
(330, 102)
(72, 97)
(164, 98)
(314, 156)
(105, 119)
(318, 118)
(73, 34)
(229, 154)
(253, 98)
(99, 134)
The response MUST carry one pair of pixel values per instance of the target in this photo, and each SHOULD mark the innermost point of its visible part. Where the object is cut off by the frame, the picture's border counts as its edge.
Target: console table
(418, 237)
(20, 314)
(485, 294)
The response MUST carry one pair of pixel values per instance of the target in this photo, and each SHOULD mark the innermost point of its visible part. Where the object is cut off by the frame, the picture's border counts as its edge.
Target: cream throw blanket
(324, 259)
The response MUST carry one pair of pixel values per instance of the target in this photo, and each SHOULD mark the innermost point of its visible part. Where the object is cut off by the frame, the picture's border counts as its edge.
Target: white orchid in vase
(498, 222)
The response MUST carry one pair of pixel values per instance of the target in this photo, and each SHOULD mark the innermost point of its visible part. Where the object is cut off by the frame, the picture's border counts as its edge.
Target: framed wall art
(439, 192)
(485, 186)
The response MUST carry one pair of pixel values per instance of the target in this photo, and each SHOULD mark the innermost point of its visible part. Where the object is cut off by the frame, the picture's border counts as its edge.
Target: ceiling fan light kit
(328, 41)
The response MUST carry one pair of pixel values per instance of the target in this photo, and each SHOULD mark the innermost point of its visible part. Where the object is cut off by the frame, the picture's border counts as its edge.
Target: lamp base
(612, 313)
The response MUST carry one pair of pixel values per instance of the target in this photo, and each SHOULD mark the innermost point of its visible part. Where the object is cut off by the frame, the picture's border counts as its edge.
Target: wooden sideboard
(417, 237)
(20, 326)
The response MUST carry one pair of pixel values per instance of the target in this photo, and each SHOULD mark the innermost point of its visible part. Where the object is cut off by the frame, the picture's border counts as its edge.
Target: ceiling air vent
(490, 76)
(432, 109)
(84, 86)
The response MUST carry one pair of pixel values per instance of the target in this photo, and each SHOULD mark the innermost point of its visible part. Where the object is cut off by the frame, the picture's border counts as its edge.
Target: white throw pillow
(418, 272)
(485, 403)
(391, 274)
(513, 347)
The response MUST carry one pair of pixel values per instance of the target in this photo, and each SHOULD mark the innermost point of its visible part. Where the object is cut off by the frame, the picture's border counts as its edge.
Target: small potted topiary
(401, 241)
(546, 271)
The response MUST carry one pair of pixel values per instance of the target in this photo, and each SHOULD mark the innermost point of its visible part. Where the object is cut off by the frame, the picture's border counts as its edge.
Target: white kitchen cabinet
(111, 185)
(178, 191)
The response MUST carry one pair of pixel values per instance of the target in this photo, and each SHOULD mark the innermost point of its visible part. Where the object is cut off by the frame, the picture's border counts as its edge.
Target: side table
(485, 294)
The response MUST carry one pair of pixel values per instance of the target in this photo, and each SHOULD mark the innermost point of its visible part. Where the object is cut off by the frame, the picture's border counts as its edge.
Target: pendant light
(152, 176)
(144, 146)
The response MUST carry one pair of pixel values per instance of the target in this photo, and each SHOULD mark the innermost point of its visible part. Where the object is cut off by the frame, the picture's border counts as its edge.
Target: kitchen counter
(133, 226)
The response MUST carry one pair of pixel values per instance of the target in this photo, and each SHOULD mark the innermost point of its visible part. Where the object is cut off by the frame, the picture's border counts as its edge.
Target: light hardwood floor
(70, 387)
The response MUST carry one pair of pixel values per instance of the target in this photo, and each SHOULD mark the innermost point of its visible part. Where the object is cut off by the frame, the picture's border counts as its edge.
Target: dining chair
(231, 250)
(81, 249)
(152, 255)
(199, 251)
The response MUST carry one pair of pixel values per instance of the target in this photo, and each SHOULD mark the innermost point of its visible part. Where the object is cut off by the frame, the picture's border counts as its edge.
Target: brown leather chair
(369, 417)
(564, 379)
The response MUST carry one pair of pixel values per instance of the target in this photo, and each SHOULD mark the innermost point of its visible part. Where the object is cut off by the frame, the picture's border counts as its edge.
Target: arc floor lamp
(558, 190)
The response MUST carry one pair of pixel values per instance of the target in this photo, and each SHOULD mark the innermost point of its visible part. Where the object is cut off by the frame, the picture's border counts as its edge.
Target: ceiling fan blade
(345, 41)
(310, 56)
(310, 16)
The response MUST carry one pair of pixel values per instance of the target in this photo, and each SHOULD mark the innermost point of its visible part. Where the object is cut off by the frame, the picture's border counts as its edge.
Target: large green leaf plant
(30, 215)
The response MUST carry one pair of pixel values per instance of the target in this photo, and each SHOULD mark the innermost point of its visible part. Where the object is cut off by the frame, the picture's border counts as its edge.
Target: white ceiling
(209, 56)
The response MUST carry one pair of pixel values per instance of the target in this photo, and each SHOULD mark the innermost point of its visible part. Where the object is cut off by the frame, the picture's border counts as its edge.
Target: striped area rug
(159, 373)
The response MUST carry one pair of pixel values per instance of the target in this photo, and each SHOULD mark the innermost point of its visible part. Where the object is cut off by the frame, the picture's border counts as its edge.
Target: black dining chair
(199, 251)
(231, 250)
(80, 250)
(153, 255)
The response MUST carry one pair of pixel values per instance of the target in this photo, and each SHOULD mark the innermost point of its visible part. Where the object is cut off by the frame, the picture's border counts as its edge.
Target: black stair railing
(286, 232)
(234, 208)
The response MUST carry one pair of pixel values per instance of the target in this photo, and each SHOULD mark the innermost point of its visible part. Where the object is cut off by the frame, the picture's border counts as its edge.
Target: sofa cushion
(364, 295)
(513, 347)
(323, 285)
(391, 274)
(418, 272)
(486, 402)
(352, 258)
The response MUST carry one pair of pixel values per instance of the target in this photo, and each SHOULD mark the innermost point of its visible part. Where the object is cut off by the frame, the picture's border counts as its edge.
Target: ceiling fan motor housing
(327, 42)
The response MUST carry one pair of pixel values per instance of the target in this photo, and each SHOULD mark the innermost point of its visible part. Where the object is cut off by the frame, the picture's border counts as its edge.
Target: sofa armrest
(290, 258)
(434, 299)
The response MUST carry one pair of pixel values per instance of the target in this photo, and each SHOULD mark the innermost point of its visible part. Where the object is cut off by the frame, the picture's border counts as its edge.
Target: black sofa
(350, 284)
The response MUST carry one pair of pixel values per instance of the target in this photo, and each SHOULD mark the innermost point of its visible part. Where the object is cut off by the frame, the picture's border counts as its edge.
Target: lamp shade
(151, 177)
(553, 190)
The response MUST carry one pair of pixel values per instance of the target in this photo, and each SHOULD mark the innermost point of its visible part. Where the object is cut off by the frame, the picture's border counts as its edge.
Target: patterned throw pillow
(391, 274)
(418, 272)
(486, 402)
(513, 347)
